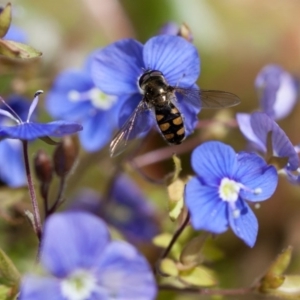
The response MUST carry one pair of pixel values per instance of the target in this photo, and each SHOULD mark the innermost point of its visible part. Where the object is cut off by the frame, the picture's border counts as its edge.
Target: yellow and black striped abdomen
(170, 123)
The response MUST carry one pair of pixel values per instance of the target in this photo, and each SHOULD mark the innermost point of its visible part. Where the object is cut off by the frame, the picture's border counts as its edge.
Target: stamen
(34, 104)
(14, 116)
(9, 115)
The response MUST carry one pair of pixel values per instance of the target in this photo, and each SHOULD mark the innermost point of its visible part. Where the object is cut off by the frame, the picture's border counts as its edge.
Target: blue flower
(85, 264)
(278, 91)
(74, 97)
(12, 171)
(27, 130)
(224, 179)
(127, 209)
(117, 68)
(257, 126)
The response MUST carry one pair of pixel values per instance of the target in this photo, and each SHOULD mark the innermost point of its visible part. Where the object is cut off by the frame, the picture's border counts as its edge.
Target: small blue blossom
(224, 179)
(85, 264)
(278, 91)
(12, 171)
(256, 127)
(27, 130)
(74, 97)
(127, 209)
(117, 68)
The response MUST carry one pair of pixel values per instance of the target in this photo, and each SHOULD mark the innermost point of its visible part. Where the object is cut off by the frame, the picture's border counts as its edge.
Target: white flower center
(79, 285)
(229, 190)
(97, 98)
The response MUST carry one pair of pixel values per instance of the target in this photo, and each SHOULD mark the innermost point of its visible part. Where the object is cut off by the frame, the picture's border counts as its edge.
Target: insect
(162, 99)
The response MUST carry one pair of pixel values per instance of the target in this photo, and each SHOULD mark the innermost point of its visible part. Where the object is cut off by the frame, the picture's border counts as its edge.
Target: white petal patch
(79, 285)
(229, 190)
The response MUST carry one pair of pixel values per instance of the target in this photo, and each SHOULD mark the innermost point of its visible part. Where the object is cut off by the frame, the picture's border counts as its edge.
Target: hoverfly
(162, 100)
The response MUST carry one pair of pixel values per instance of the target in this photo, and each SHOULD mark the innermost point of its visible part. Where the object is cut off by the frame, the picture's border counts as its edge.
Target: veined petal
(247, 130)
(31, 131)
(245, 226)
(282, 146)
(253, 172)
(126, 274)
(176, 58)
(97, 131)
(117, 67)
(208, 211)
(33, 288)
(67, 246)
(213, 161)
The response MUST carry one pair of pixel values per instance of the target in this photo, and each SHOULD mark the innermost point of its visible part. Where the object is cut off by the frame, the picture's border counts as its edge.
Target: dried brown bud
(65, 155)
(43, 167)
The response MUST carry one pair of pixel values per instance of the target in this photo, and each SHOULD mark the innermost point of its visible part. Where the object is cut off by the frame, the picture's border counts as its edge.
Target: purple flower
(127, 209)
(278, 91)
(74, 97)
(27, 130)
(85, 264)
(224, 179)
(256, 128)
(117, 68)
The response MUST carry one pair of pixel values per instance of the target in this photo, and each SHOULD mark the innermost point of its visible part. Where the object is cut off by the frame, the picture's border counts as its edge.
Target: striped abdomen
(170, 123)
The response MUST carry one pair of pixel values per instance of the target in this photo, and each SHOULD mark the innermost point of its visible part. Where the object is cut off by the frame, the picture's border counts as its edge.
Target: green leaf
(162, 240)
(5, 20)
(198, 276)
(8, 293)
(168, 267)
(13, 49)
(191, 254)
(282, 262)
(9, 275)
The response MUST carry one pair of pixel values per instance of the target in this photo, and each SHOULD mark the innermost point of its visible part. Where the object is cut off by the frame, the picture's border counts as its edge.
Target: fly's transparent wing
(208, 98)
(137, 125)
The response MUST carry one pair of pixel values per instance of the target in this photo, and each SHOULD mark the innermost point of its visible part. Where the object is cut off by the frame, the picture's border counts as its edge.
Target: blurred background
(235, 40)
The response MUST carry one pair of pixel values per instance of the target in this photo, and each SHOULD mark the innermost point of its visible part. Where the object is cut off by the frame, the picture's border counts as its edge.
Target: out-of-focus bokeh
(235, 40)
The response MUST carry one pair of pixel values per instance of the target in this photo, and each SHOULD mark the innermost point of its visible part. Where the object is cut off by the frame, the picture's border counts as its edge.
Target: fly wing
(135, 126)
(208, 98)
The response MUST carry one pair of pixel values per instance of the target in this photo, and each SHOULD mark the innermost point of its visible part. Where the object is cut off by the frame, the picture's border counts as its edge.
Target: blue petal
(97, 131)
(67, 246)
(58, 101)
(253, 172)
(245, 226)
(247, 130)
(126, 274)
(212, 161)
(34, 288)
(176, 58)
(12, 170)
(282, 146)
(117, 67)
(32, 131)
(208, 211)
(279, 91)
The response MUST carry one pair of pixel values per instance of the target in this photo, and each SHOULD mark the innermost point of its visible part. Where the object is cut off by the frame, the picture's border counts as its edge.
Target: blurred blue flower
(85, 264)
(25, 129)
(74, 97)
(224, 179)
(12, 171)
(256, 127)
(117, 68)
(127, 209)
(15, 34)
(278, 91)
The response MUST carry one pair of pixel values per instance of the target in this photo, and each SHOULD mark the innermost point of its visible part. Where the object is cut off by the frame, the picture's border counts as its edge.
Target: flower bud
(65, 155)
(43, 167)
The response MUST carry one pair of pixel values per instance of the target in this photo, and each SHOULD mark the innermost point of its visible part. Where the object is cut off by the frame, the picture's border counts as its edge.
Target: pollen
(229, 190)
